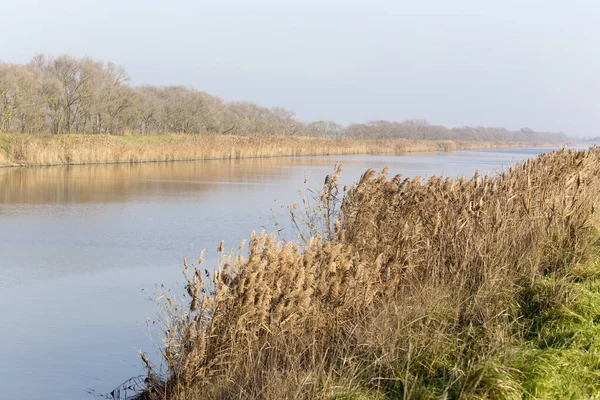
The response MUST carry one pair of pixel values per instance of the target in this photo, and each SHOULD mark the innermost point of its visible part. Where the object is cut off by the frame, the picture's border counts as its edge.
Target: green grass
(154, 138)
(556, 353)
(4, 141)
(560, 356)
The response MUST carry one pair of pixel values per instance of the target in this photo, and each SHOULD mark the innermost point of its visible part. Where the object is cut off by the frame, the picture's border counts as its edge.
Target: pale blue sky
(470, 62)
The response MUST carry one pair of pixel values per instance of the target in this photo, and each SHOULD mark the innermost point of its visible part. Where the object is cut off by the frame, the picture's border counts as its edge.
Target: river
(82, 247)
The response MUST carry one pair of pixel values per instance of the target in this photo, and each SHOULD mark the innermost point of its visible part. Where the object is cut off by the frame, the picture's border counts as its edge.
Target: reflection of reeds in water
(88, 149)
(417, 292)
(116, 182)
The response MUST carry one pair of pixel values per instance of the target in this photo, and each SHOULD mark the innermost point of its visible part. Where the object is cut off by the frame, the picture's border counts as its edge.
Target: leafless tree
(70, 95)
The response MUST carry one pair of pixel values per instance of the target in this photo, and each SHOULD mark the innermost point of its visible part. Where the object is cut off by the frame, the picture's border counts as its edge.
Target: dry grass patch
(33, 150)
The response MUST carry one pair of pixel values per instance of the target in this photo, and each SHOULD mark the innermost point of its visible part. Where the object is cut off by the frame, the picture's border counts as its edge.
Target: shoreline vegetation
(25, 150)
(453, 288)
(86, 112)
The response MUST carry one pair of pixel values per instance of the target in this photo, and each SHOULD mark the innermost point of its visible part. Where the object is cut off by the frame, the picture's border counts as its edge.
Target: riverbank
(449, 288)
(18, 150)
(558, 355)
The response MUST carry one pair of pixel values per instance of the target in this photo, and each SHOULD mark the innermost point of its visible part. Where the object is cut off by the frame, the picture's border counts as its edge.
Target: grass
(560, 354)
(402, 289)
(35, 150)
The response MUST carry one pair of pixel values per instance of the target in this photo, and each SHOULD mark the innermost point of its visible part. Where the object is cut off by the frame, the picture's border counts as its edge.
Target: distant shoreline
(31, 150)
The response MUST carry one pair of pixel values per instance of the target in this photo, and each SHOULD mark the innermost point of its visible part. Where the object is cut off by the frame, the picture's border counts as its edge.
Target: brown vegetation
(32, 150)
(67, 95)
(411, 290)
(88, 149)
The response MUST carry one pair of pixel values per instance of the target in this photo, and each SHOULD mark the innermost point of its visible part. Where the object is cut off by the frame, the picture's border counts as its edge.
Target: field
(38, 150)
(482, 288)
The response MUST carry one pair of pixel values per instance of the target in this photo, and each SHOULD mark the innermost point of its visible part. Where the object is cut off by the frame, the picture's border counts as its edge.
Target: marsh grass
(448, 288)
(37, 150)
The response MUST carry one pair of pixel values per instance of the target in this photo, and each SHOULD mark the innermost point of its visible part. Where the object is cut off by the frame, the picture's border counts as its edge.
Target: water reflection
(119, 182)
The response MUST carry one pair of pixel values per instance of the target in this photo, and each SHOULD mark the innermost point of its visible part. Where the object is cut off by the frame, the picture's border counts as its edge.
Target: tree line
(80, 95)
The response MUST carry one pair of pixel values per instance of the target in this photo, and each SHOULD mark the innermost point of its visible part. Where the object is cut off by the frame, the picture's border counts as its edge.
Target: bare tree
(70, 95)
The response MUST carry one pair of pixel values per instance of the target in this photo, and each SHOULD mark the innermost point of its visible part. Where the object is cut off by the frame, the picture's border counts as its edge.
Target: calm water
(82, 247)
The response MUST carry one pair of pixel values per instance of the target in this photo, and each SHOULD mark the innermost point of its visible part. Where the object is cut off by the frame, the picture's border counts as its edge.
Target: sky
(514, 64)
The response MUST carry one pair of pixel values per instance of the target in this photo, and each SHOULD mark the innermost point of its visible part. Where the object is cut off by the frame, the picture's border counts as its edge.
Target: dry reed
(35, 150)
(415, 292)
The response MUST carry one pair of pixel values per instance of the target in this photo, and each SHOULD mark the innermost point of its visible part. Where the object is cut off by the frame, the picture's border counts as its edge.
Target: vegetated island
(66, 110)
(453, 288)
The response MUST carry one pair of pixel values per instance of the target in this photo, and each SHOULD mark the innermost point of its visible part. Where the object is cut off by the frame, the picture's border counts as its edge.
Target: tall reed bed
(4, 159)
(412, 289)
(30, 150)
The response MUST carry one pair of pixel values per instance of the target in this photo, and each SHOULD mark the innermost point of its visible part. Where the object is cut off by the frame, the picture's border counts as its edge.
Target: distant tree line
(70, 95)
(421, 129)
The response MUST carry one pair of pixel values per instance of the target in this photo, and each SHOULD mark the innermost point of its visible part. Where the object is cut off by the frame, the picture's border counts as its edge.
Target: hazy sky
(469, 62)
